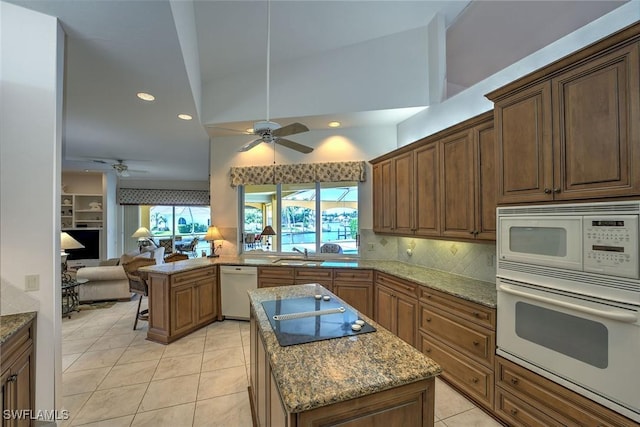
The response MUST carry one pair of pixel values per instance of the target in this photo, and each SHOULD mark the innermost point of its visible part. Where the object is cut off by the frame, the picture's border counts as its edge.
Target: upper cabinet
(440, 186)
(570, 131)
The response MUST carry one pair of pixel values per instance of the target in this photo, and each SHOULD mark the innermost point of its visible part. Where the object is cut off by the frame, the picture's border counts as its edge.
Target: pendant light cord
(268, 51)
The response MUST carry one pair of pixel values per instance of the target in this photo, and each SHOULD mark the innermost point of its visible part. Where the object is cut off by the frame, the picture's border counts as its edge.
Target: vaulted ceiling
(360, 62)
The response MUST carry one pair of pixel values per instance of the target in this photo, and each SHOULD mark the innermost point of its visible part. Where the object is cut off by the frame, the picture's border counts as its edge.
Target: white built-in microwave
(585, 243)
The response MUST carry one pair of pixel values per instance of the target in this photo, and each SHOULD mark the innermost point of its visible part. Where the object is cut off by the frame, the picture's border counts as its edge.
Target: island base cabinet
(407, 405)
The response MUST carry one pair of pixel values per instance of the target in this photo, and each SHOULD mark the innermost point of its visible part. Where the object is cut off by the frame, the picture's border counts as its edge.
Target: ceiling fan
(122, 170)
(271, 132)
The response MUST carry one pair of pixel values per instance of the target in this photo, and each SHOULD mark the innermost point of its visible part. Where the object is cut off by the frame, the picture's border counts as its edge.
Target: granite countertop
(473, 290)
(11, 323)
(321, 373)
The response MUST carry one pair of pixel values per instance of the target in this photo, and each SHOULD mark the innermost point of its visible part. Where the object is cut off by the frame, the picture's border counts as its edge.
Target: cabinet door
(382, 197)
(357, 295)
(486, 179)
(403, 193)
(427, 194)
(406, 319)
(385, 308)
(205, 292)
(596, 128)
(523, 138)
(457, 178)
(183, 309)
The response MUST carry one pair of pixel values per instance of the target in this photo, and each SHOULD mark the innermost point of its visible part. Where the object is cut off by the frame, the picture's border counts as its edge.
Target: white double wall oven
(568, 286)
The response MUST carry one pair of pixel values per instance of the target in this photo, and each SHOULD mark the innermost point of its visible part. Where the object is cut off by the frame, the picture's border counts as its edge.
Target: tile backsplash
(475, 260)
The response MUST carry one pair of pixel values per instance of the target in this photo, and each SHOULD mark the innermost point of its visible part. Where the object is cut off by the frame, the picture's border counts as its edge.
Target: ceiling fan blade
(293, 145)
(248, 146)
(291, 129)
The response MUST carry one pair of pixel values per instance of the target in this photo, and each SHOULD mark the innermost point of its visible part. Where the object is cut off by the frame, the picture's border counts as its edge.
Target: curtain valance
(297, 173)
(144, 196)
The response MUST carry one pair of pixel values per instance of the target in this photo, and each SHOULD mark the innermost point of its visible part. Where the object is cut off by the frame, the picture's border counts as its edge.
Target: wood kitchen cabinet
(323, 276)
(182, 302)
(355, 287)
(571, 130)
(460, 336)
(449, 179)
(525, 398)
(275, 276)
(396, 306)
(393, 195)
(17, 375)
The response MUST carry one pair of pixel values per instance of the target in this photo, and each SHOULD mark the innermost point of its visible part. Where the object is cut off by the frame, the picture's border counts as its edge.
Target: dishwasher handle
(251, 271)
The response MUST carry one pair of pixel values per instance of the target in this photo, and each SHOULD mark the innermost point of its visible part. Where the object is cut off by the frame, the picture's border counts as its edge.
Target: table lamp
(212, 235)
(144, 235)
(67, 242)
(268, 231)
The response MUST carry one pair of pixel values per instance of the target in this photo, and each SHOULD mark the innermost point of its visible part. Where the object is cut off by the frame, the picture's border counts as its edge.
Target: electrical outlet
(32, 282)
(490, 260)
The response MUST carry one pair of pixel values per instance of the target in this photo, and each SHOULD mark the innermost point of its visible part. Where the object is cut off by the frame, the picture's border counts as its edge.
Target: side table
(70, 300)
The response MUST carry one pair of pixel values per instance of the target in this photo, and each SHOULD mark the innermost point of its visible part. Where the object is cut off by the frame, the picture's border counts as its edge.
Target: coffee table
(70, 301)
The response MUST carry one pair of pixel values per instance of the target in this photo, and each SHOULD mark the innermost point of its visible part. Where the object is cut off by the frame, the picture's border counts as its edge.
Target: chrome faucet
(305, 253)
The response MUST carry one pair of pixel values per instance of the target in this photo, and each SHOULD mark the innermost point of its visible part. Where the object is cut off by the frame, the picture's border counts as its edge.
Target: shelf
(89, 210)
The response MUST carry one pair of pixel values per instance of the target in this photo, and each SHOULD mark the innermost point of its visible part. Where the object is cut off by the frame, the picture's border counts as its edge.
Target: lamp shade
(68, 242)
(142, 232)
(268, 231)
(213, 234)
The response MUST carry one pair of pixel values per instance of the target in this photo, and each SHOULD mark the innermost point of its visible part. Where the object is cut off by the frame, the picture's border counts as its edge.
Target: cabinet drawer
(554, 400)
(473, 312)
(353, 275)
(192, 276)
(15, 345)
(313, 274)
(463, 337)
(276, 272)
(474, 379)
(399, 285)
(517, 412)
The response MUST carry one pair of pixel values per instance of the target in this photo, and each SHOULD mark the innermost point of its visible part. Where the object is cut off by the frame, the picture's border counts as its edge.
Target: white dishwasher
(235, 281)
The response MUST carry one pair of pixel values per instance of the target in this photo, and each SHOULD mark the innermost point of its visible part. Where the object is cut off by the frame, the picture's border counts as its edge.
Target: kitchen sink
(297, 261)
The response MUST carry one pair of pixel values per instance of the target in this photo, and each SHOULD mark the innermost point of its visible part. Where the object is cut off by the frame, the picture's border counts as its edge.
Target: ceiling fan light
(145, 96)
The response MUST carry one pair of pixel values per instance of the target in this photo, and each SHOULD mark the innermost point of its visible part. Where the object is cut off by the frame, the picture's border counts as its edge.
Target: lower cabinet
(275, 276)
(17, 376)
(355, 287)
(460, 336)
(525, 398)
(397, 306)
(181, 303)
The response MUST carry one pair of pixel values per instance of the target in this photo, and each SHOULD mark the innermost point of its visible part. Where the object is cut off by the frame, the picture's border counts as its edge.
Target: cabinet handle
(474, 380)
(556, 190)
(428, 319)
(475, 343)
(428, 350)
(12, 378)
(514, 381)
(475, 313)
(514, 411)
(547, 191)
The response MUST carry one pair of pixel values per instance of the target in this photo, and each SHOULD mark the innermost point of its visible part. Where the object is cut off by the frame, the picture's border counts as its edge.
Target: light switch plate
(32, 282)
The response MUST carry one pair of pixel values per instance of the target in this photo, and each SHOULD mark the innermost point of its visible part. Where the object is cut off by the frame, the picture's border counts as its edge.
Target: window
(303, 220)
(176, 226)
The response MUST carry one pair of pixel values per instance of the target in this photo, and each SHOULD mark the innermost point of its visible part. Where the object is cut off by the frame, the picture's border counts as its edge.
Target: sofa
(108, 281)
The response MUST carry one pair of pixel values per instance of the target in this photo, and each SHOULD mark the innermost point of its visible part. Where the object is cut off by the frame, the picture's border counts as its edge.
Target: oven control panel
(611, 245)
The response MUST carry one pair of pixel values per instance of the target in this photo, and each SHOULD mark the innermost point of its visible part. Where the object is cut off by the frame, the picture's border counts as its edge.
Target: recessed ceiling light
(145, 96)
(334, 124)
(184, 116)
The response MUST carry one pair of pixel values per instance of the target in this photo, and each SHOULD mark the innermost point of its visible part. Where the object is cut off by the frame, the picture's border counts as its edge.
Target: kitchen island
(358, 380)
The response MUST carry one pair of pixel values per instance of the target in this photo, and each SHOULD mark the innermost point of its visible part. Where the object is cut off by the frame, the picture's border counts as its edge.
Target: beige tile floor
(112, 376)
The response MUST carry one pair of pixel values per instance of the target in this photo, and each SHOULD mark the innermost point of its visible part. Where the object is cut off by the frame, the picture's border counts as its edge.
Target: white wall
(30, 153)
(472, 101)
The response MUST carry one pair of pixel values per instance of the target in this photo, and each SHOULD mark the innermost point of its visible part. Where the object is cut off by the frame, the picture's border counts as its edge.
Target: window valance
(144, 196)
(298, 173)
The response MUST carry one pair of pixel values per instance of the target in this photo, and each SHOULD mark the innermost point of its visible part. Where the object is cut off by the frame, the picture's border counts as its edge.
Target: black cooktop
(308, 319)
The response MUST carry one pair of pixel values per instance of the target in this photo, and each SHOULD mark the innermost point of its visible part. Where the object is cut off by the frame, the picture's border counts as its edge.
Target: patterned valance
(297, 173)
(144, 196)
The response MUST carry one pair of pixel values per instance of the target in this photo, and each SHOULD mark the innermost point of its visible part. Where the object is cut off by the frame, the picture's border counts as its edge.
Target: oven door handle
(611, 315)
